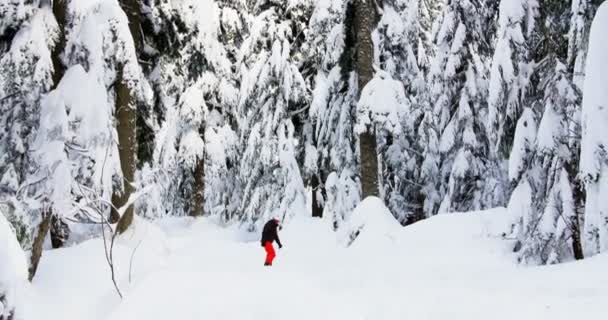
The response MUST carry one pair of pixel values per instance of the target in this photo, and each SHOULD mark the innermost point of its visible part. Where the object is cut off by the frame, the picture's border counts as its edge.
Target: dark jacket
(269, 233)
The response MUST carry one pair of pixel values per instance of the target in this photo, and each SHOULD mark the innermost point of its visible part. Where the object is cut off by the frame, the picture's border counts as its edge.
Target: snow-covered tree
(594, 158)
(383, 106)
(552, 233)
(428, 133)
(458, 83)
(331, 146)
(324, 44)
(581, 16)
(192, 81)
(271, 89)
(26, 73)
(510, 72)
(402, 46)
(403, 42)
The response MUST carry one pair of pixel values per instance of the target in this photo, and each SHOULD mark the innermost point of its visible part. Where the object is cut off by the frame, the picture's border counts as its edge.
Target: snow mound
(370, 222)
(13, 272)
(147, 242)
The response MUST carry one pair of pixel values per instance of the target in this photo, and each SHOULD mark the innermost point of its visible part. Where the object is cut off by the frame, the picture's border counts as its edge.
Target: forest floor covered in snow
(448, 267)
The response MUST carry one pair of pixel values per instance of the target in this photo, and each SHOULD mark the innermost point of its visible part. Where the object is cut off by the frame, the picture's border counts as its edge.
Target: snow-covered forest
(194, 119)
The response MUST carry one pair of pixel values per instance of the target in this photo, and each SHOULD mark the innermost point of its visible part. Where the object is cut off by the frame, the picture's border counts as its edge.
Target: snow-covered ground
(448, 267)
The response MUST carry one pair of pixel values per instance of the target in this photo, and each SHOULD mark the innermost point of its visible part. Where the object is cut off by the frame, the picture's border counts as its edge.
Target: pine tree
(330, 150)
(25, 75)
(26, 72)
(458, 90)
(402, 49)
(510, 72)
(271, 89)
(551, 230)
(194, 84)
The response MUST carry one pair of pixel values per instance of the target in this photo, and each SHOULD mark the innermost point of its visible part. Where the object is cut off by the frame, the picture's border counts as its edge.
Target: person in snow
(269, 235)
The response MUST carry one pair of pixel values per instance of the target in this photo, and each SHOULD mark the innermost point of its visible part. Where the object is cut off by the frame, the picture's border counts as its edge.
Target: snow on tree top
(382, 102)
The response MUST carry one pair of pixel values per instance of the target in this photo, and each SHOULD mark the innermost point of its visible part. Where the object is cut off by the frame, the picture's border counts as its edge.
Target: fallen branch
(131, 260)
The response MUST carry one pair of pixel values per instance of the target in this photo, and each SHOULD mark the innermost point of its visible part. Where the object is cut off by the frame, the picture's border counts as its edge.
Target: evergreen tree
(458, 89)
(26, 72)
(193, 84)
(402, 48)
(331, 148)
(551, 231)
(271, 89)
(510, 72)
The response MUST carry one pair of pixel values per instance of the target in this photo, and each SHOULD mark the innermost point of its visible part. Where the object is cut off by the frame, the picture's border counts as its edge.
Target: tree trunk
(60, 13)
(60, 232)
(578, 197)
(132, 9)
(363, 20)
(369, 165)
(126, 116)
(317, 209)
(577, 244)
(198, 198)
(43, 229)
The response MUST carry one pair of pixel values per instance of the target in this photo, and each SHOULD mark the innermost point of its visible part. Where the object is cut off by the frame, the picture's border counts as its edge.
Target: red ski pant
(270, 254)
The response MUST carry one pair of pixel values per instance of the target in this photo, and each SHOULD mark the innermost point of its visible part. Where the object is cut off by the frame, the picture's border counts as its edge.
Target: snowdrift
(13, 273)
(371, 222)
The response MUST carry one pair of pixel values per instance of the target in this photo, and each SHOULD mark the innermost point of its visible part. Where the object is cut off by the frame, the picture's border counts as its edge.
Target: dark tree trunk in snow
(578, 197)
(198, 199)
(317, 209)
(369, 164)
(364, 57)
(132, 9)
(60, 13)
(43, 230)
(126, 116)
(60, 232)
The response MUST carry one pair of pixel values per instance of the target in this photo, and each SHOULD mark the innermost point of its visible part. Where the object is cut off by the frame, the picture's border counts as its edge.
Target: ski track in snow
(448, 267)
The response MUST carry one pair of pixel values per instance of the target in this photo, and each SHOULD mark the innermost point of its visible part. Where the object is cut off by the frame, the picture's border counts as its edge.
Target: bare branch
(131, 260)
(9, 96)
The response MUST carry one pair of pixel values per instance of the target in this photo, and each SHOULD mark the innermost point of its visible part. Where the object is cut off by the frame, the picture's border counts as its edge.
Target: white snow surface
(13, 272)
(453, 266)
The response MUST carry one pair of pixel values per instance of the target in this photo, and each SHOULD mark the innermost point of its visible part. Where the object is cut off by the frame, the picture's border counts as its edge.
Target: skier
(269, 234)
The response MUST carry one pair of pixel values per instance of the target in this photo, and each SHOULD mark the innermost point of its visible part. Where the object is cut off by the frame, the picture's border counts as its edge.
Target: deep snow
(448, 267)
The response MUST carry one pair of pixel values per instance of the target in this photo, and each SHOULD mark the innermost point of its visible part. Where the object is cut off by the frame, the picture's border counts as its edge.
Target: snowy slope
(448, 267)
